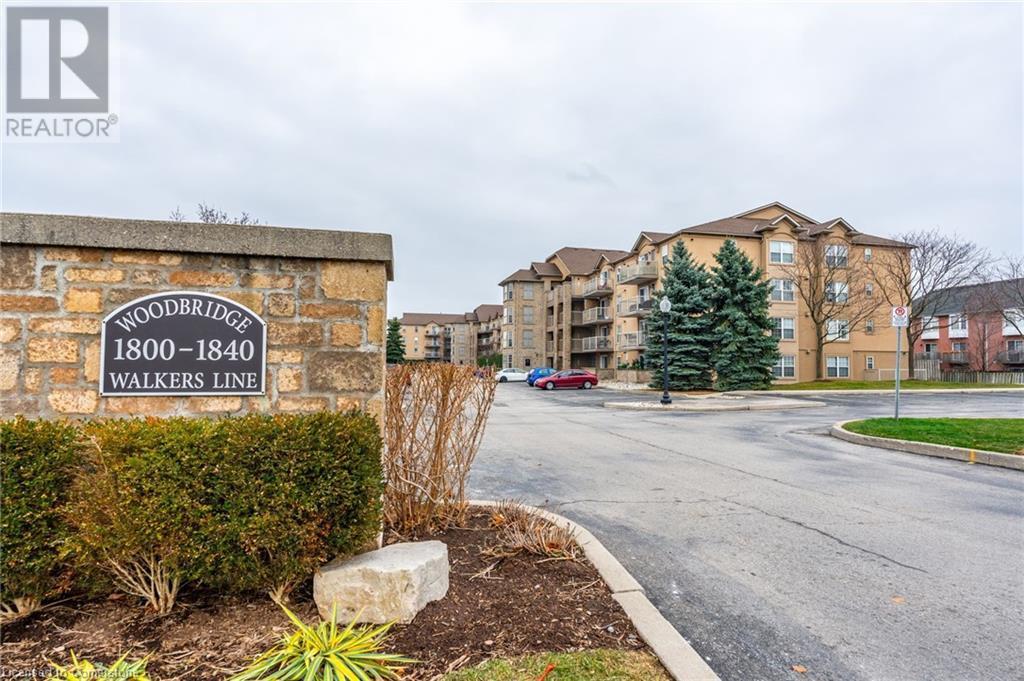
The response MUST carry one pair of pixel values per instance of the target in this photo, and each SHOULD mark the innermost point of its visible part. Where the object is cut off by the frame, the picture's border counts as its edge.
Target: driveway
(769, 544)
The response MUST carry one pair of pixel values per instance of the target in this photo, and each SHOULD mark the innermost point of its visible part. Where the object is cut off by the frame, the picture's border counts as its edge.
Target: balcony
(433, 355)
(595, 315)
(433, 333)
(927, 355)
(595, 288)
(592, 344)
(642, 273)
(1011, 357)
(633, 307)
(955, 358)
(631, 341)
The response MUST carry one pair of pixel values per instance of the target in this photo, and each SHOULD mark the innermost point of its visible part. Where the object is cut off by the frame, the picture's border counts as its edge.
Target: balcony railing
(633, 307)
(596, 315)
(1011, 357)
(927, 355)
(592, 344)
(595, 288)
(433, 355)
(955, 358)
(631, 341)
(638, 274)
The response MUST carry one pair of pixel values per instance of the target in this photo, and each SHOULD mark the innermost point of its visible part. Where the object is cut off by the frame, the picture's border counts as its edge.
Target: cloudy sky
(486, 136)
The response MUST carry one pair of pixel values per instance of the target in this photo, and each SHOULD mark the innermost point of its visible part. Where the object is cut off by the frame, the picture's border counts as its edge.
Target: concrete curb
(859, 391)
(1012, 461)
(705, 407)
(680, 660)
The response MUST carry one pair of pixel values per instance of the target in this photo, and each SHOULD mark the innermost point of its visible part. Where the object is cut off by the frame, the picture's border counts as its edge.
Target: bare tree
(833, 289)
(1010, 273)
(938, 262)
(214, 216)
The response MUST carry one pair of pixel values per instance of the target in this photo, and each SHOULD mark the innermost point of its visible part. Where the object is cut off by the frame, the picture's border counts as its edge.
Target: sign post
(900, 321)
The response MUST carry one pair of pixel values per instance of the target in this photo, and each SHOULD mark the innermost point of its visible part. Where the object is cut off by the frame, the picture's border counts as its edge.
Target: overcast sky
(483, 137)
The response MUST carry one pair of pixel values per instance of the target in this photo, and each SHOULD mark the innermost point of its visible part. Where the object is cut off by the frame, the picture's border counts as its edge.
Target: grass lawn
(908, 384)
(606, 665)
(995, 435)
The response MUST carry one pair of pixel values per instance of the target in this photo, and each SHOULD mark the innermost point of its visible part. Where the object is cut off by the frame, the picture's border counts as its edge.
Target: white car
(506, 375)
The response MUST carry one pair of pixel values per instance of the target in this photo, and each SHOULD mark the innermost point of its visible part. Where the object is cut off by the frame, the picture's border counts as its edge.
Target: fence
(988, 377)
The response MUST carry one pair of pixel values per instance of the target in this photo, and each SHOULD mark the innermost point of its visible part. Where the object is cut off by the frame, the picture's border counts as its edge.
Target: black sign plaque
(183, 343)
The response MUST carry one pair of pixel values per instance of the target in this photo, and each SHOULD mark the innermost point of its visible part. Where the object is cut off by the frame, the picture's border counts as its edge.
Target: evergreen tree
(395, 344)
(745, 351)
(690, 336)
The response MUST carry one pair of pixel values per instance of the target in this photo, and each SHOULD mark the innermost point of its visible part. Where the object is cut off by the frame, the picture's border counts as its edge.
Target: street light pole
(665, 306)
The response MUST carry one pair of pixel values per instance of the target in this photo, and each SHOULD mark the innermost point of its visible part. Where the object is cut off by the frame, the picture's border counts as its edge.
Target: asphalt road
(769, 544)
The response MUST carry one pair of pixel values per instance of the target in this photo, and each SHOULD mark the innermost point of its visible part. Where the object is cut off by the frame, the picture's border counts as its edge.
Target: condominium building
(587, 308)
(454, 338)
(978, 327)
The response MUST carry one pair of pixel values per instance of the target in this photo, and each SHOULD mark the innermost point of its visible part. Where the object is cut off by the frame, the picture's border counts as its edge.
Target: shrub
(37, 460)
(520, 530)
(140, 507)
(84, 670)
(324, 652)
(436, 414)
(296, 491)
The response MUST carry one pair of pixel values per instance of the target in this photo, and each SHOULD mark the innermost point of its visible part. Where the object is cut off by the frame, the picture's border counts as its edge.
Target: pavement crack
(827, 534)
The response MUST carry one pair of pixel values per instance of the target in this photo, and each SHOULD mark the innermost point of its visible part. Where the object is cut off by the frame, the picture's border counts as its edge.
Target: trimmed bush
(37, 460)
(256, 502)
(298, 490)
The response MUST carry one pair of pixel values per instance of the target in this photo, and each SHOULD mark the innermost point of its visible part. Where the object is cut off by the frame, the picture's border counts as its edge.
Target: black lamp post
(665, 306)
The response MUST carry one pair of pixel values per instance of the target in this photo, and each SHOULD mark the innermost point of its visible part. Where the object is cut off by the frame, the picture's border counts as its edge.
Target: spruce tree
(690, 337)
(745, 351)
(396, 344)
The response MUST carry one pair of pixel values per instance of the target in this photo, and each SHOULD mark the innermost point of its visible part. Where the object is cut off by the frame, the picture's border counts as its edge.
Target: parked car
(506, 375)
(570, 378)
(539, 372)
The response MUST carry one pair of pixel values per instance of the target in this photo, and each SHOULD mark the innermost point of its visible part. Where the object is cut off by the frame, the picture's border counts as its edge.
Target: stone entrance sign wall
(322, 293)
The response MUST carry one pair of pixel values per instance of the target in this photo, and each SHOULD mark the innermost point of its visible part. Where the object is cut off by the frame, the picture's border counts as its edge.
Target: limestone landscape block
(390, 584)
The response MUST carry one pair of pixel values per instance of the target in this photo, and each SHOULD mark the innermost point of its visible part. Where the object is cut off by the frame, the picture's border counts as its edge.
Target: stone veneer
(323, 298)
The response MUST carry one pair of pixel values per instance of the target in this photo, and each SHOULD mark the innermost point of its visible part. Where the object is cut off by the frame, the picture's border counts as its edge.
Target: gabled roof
(653, 237)
(520, 275)
(785, 217)
(585, 260)
(424, 318)
(991, 296)
(546, 269)
(485, 313)
(781, 206)
(828, 225)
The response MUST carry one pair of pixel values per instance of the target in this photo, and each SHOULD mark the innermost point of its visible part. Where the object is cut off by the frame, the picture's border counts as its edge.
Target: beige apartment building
(454, 338)
(587, 308)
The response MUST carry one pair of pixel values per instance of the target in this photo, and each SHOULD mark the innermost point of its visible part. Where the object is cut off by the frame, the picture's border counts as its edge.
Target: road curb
(889, 391)
(705, 407)
(680, 660)
(1011, 461)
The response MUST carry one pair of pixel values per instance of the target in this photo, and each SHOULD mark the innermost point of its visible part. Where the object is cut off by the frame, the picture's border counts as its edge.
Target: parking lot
(768, 543)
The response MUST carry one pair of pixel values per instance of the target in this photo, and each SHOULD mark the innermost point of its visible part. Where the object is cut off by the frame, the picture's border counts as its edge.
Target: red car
(570, 378)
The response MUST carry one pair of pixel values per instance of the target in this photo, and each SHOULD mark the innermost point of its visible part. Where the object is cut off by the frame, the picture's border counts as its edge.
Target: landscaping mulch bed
(495, 607)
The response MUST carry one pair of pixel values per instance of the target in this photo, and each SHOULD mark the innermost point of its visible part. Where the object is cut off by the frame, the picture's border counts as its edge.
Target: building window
(1015, 346)
(958, 326)
(527, 338)
(783, 328)
(528, 314)
(508, 361)
(642, 293)
(869, 289)
(837, 367)
(838, 330)
(526, 362)
(867, 255)
(869, 362)
(781, 252)
(527, 291)
(1013, 322)
(930, 348)
(785, 367)
(509, 291)
(869, 326)
(837, 292)
(930, 327)
(508, 314)
(960, 347)
(782, 290)
(508, 339)
(664, 254)
(836, 255)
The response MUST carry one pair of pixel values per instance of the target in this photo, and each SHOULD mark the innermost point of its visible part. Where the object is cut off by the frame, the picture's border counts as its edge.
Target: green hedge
(236, 504)
(37, 460)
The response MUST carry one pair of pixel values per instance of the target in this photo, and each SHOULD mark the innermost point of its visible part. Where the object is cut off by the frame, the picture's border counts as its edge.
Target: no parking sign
(900, 316)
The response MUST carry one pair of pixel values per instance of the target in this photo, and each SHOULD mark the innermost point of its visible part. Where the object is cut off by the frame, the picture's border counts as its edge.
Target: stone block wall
(325, 327)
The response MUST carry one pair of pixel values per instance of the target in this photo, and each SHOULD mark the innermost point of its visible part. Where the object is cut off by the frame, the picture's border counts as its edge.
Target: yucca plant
(84, 670)
(326, 653)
